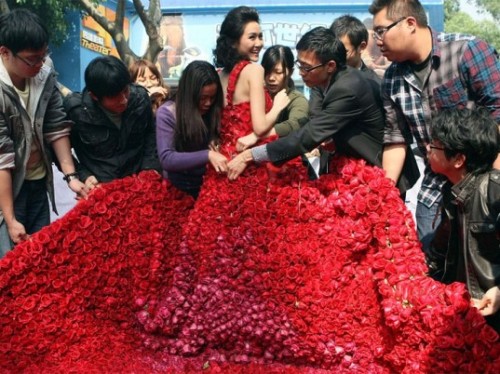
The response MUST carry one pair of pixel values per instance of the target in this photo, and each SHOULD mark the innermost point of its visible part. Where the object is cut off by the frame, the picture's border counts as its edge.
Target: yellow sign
(95, 47)
(95, 38)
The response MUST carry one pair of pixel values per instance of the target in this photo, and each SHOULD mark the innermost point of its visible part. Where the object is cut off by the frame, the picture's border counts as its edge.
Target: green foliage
(457, 21)
(52, 12)
(491, 6)
(451, 7)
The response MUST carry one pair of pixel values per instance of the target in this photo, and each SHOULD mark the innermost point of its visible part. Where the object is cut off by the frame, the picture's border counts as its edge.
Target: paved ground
(65, 198)
(411, 195)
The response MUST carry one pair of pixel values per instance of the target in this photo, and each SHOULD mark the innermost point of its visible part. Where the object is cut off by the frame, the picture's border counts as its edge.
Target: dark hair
(279, 54)
(325, 45)
(473, 133)
(191, 128)
(21, 29)
(231, 30)
(397, 9)
(137, 69)
(106, 76)
(352, 27)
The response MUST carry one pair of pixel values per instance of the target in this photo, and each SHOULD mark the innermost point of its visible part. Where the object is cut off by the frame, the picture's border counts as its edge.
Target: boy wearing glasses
(466, 248)
(32, 121)
(430, 72)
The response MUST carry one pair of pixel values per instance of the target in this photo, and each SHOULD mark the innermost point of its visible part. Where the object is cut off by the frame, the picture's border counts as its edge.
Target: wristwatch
(69, 177)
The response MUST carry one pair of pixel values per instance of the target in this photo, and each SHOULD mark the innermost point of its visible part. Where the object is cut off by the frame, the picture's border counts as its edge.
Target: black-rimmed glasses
(379, 32)
(307, 69)
(33, 61)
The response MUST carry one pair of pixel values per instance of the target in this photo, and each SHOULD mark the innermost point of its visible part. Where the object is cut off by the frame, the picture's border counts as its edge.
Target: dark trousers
(31, 208)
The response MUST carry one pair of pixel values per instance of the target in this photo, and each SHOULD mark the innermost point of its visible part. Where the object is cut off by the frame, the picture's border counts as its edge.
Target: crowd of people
(232, 147)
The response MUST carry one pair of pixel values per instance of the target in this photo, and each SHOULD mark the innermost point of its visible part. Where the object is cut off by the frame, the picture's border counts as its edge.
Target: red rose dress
(271, 273)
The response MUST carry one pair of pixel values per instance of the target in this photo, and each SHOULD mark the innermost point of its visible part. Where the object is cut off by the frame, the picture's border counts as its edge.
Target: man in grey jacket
(32, 120)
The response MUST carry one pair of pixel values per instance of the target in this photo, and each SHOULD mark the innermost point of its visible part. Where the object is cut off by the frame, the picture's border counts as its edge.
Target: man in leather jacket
(466, 247)
(114, 132)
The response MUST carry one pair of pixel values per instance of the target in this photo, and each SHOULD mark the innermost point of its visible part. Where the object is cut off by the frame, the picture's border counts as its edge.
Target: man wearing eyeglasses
(429, 72)
(347, 111)
(32, 120)
(466, 247)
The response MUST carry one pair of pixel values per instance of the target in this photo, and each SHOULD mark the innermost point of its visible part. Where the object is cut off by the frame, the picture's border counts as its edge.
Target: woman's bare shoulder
(252, 69)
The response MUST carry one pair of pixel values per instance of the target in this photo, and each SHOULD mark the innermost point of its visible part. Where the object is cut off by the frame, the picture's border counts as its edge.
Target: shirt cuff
(259, 154)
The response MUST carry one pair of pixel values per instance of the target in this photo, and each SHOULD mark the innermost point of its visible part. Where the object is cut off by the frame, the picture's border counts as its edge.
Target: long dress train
(269, 273)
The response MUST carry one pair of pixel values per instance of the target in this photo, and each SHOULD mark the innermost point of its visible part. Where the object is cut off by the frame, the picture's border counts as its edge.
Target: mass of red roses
(271, 273)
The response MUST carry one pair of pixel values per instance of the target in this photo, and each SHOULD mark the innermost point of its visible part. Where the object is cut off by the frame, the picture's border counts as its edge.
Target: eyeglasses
(432, 146)
(379, 32)
(307, 69)
(33, 61)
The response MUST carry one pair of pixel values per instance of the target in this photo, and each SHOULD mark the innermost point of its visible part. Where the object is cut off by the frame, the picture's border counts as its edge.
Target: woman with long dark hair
(187, 130)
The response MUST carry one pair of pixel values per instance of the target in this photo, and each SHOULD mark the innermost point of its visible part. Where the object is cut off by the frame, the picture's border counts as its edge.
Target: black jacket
(349, 112)
(103, 149)
(346, 112)
(466, 246)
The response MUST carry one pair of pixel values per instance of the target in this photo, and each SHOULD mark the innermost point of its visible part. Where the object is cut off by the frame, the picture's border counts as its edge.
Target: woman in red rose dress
(271, 273)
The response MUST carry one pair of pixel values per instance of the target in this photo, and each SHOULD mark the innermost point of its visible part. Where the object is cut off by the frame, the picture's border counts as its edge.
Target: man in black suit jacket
(349, 112)
(354, 36)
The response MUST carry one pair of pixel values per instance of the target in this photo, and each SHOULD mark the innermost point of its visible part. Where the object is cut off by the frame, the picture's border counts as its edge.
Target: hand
(79, 188)
(246, 142)
(314, 153)
(17, 231)
(92, 182)
(218, 161)
(490, 303)
(281, 100)
(238, 164)
(214, 146)
(157, 91)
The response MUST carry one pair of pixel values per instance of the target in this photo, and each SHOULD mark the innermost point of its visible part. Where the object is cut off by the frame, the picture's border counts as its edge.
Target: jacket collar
(464, 189)
(38, 79)
(335, 76)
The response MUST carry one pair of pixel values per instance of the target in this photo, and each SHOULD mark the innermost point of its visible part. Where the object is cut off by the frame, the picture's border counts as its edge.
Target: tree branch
(116, 28)
(151, 23)
(93, 11)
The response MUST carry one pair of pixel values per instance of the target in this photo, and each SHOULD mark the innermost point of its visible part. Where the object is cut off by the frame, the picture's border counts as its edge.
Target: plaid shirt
(464, 72)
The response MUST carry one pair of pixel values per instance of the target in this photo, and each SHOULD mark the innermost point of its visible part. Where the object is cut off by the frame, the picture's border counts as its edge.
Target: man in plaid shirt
(430, 72)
